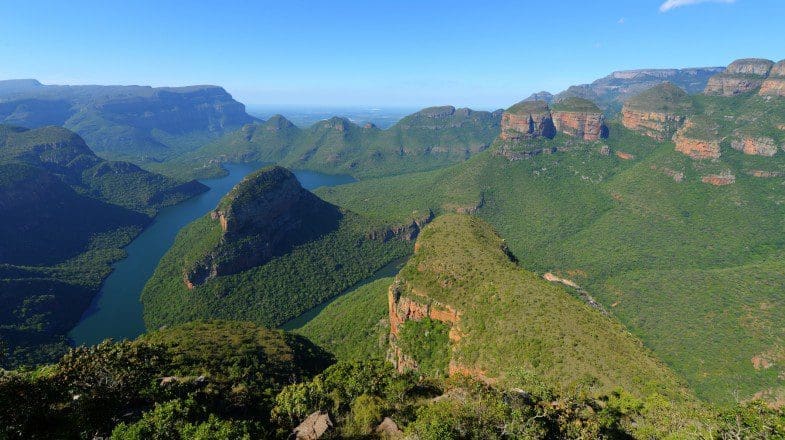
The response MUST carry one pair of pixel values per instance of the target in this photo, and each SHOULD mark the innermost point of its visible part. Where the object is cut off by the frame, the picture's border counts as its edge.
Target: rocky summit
(265, 215)
(741, 76)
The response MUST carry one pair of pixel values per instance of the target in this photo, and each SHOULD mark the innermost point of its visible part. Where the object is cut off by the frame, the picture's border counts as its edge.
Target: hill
(629, 207)
(270, 251)
(137, 123)
(428, 139)
(610, 92)
(66, 215)
(463, 280)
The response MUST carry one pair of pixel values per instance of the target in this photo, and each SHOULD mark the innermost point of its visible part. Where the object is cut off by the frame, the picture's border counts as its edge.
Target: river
(116, 311)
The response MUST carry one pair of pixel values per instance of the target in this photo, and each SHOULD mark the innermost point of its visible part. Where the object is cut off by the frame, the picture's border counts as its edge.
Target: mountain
(685, 252)
(136, 123)
(610, 92)
(462, 305)
(734, 112)
(66, 215)
(430, 138)
(269, 251)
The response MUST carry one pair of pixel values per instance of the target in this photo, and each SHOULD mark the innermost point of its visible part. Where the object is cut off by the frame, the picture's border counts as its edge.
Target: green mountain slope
(430, 138)
(136, 123)
(641, 209)
(270, 251)
(66, 215)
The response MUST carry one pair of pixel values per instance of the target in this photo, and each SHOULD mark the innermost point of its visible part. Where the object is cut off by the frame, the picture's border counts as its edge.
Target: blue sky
(484, 54)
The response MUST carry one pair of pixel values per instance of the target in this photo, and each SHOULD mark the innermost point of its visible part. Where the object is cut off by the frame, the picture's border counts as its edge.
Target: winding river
(116, 311)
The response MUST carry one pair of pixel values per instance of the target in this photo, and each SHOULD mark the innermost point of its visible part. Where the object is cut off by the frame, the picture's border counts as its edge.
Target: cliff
(774, 85)
(265, 215)
(526, 120)
(581, 118)
(741, 76)
(484, 316)
(657, 112)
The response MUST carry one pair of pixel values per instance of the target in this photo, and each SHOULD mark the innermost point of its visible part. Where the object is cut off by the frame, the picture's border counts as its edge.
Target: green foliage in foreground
(234, 380)
(355, 325)
(704, 257)
(274, 292)
(428, 343)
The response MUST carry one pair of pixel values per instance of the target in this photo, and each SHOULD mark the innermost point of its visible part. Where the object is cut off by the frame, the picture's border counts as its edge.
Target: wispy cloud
(672, 4)
(621, 21)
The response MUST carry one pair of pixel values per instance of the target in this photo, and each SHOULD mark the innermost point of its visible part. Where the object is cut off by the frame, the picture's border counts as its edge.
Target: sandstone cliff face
(696, 148)
(760, 146)
(584, 125)
(526, 120)
(405, 231)
(775, 83)
(660, 126)
(657, 112)
(741, 76)
(265, 215)
(402, 309)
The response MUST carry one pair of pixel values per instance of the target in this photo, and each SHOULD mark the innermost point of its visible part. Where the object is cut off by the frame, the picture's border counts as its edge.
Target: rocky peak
(657, 112)
(527, 119)
(750, 66)
(741, 76)
(774, 85)
(581, 118)
(540, 96)
(265, 215)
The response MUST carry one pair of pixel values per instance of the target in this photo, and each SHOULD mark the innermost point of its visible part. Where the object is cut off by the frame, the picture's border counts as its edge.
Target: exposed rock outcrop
(775, 83)
(265, 215)
(719, 179)
(526, 120)
(579, 118)
(741, 76)
(703, 147)
(759, 146)
(314, 427)
(657, 112)
(407, 231)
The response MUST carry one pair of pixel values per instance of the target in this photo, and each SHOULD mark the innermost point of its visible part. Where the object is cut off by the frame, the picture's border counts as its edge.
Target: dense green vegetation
(428, 139)
(355, 325)
(233, 380)
(315, 252)
(428, 343)
(66, 215)
(510, 317)
(594, 218)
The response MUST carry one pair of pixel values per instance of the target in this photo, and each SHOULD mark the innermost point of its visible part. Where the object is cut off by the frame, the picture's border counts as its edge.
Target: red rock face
(587, 126)
(741, 76)
(695, 148)
(775, 83)
(660, 126)
(759, 146)
(728, 85)
(719, 179)
(517, 126)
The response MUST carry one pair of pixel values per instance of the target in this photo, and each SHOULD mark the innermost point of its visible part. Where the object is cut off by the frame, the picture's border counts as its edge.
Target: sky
(482, 54)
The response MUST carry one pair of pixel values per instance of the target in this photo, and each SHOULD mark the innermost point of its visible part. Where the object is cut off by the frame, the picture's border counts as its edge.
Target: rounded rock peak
(750, 66)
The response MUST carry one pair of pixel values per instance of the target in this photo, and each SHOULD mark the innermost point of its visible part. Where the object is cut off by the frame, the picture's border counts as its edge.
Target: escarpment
(462, 305)
(657, 112)
(527, 119)
(265, 215)
(775, 83)
(741, 76)
(581, 118)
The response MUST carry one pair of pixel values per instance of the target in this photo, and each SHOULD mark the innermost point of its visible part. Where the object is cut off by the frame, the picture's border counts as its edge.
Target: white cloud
(672, 4)
(621, 21)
